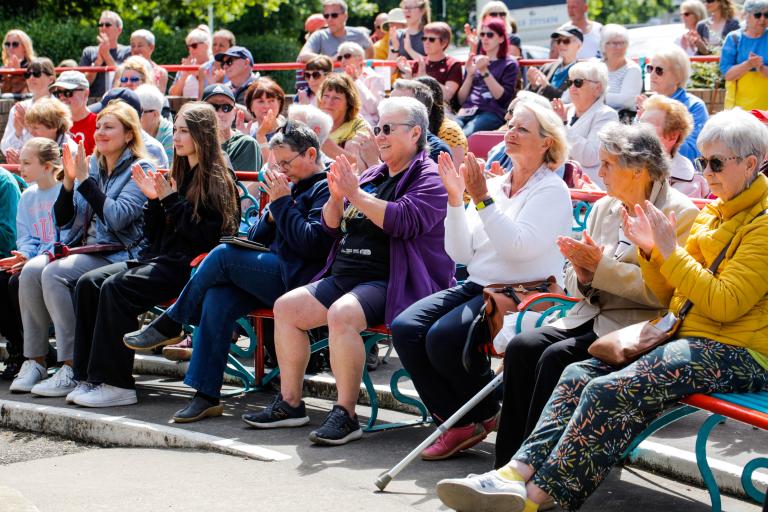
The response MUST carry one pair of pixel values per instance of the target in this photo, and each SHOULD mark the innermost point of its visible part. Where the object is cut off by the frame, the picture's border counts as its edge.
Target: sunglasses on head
(105, 24)
(224, 107)
(35, 73)
(132, 79)
(714, 163)
(344, 57)
(497, 14)
(333, 15)
(11, 44)
(486, 34)
(386, 129)
(757, 15)
(58, 93)
(315, 75)
(431, 39)
(658, 69)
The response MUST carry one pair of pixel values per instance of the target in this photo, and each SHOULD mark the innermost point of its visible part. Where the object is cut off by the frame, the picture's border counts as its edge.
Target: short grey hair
(753, 6)
(738, 130)
(613, 31)
(420, 91)
(636, 147)
(415, 110)
(678, 63)
(145, 34)
(150, 97)
(696, 7)
(312, 117)
(350, 47)
(592, 69)
(112, 15)
(297, 136)
(340, 3)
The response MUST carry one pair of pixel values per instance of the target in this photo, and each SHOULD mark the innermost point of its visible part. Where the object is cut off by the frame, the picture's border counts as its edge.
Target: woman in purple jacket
(389, 253)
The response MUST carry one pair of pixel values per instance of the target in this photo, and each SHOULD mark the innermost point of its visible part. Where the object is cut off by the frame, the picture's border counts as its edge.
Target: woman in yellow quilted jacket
(722, 346)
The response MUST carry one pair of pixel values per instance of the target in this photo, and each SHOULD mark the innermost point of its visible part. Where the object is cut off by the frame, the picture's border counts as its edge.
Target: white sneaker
(60, 384)
(105, 395)
(31, 373)
(487, 492)
(82, 387)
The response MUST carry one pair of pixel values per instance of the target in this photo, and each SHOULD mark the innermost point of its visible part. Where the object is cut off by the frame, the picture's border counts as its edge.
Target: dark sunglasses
(431, 39)
(387, 128)
(757, 15)
(315, 75)
(224, 107)
(711, 1)
(344, 57)
(132, 79)
(714, 163)
(658, 69)
(11, 44)
(486, 34)
(497, 14)
(227, 62)
(36, 73)
(686, 14)
(563, 40)
(193, 45)
(577, 82)
(58, 93)
(333, 15)
(105, 24)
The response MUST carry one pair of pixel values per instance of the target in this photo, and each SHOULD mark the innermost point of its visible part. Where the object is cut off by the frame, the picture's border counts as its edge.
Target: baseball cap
(569, 31)
(121, 94)
(239, 52)
(218, 89)
(70, 80)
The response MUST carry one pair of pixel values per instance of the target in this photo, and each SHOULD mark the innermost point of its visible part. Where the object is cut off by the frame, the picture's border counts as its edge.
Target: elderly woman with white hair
(190, 84)
(744, 60)
(625, 80)
(597, 410)
(135, 71)
(586, 115)
(370, 85)
(507, 234)
(691, 13)
(152, 120)
(389, 230)
(143, 45)
(669, 70)
(317, 120)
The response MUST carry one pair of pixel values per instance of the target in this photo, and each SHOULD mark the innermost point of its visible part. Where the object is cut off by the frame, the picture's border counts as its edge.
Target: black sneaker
(278, 414)
(12, 367)
(337, 428)
(372, 358)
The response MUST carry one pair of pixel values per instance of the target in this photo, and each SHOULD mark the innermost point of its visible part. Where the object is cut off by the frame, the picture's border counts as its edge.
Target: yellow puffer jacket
(730, 306)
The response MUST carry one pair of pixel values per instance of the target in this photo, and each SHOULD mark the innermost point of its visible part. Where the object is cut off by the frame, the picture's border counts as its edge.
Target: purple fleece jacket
(415, 222)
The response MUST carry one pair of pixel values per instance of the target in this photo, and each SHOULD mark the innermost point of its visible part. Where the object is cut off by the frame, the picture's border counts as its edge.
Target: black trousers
(765, 505)
(108, 301)
(533, 363)
(10, 315)
(429, 338)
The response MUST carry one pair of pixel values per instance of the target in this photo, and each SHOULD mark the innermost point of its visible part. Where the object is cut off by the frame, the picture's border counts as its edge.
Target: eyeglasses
(104, 24)
(224, 107)
(577, 82)
(193, 45)
(148, 111)
(285, 164)
(497, 14)
(35, 73)
(11, 44)
(58, 93)
(564, 41)
(411, 7)
(616, 44)
(333, 15)
(714, 163)
(344, 57)
(377, 27)
(431, 39)
(658, 69)
(228, 62)
(757, 15)
(315, 75)
(386, 129)
(132, 79)
(486, 34)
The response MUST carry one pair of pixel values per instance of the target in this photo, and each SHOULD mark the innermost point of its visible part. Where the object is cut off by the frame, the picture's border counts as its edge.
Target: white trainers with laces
(31, 373)
(62, 382)
(82, 387)
(105, 395)
(487, 492)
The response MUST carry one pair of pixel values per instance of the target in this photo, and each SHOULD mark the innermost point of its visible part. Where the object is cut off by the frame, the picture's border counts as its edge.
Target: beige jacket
(617, 295)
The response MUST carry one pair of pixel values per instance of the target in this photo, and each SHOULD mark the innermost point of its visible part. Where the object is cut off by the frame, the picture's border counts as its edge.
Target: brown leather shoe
(181, 351)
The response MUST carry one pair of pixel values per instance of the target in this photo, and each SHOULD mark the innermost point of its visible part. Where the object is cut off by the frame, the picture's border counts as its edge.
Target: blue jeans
(229, 283)
(482, 121)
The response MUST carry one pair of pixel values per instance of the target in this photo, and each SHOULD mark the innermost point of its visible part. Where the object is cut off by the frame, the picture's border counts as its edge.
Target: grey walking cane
(387, 477)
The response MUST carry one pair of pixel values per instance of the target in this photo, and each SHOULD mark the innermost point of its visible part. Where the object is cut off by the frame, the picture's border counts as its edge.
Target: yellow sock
(511, 474)
(530, 506)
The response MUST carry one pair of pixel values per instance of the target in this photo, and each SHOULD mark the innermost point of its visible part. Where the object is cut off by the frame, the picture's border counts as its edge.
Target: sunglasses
(616, 44)
(686, 14)
(104, 24)
(564, 41)
(228, 62)
(11, 44)
(711, 1)
(757, 15)
(714, 163)
(36, 73)
(486, 34)
(577, 82)
(315, 75)
(132, 79)
(431, 39)
(194, 45)
(344, 57)
(497, 14)
(386, 129)
(658, 69)
(224, 107)
(58, 93)
(333, 15)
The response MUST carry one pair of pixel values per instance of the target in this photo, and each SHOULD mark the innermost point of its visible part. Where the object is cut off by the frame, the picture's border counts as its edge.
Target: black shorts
(372, 295)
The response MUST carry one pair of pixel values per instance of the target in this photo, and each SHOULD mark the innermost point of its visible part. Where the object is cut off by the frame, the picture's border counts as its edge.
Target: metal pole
(210, 17)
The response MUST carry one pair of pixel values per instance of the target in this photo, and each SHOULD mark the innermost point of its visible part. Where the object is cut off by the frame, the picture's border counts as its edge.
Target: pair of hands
(152, 184)
(13, 264)
(536, 78)
(363, 146)
(407, 71)
(343, 181)
(19, 120)
(267, 125)
(692, 39)
(275, 184)
(560, 109)
(470, 177)
(584, 256)
(478, 63)
(650, 228)
(755, 60)
(75, 166)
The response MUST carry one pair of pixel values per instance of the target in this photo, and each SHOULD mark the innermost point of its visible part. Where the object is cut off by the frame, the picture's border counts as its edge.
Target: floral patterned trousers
(595, 411)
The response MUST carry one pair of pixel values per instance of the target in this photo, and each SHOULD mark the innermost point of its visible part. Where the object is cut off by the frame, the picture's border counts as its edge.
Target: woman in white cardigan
(507, 234)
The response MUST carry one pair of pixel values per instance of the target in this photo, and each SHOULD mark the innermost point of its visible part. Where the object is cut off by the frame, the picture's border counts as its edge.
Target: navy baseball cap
(122, 94)
(239, 52)
(218, 89)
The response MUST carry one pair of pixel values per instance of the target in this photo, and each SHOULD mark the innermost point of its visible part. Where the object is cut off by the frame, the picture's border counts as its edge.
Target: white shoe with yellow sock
(502, 490)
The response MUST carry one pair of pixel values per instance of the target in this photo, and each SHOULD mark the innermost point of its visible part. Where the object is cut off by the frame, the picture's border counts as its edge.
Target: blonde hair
(129, 118)
(135, 63)
(551, 127)
(696, 7)
(676, 117)
(50, 113)
(426, 17)
(26, 43)
(497, 6)
(46, 151)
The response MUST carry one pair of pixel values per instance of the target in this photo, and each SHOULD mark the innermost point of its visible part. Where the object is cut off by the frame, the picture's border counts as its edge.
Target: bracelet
(485, 203)
(485, 75)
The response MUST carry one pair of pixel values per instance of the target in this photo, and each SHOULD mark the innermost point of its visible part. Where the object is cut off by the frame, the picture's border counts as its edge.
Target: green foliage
(705, 75)
(627, 12)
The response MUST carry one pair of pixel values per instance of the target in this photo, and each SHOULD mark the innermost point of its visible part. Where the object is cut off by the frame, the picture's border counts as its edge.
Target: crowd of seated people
(370, 199)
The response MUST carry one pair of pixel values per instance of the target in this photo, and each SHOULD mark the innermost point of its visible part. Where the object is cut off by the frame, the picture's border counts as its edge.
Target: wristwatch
(486, 75)
(485, 203)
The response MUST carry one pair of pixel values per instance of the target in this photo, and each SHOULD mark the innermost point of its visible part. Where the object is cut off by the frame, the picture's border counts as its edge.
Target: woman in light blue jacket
(102, 207)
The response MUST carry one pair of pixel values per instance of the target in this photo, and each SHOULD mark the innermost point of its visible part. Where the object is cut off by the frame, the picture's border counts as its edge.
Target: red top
(83, 130)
